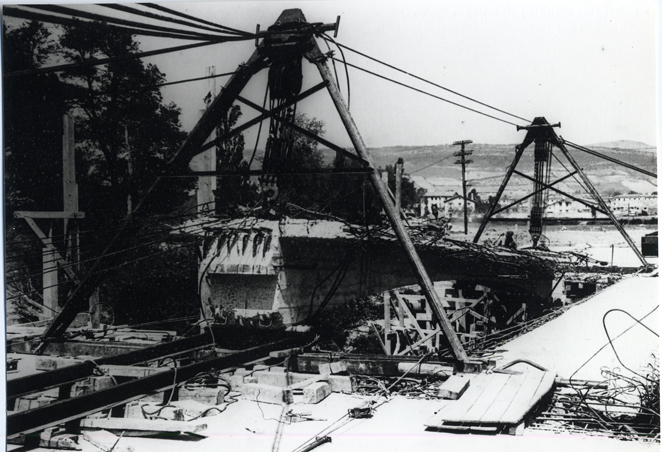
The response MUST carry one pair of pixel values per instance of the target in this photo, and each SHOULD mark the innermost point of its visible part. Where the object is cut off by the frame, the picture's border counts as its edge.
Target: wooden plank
(454, 387)
(496, 385)
(468, 428)
(130, 371)
(525, 400)
(105, 440)
(144, 425)
(55, 253)
(454, 411)
(48, 214)
(520, 404)
(500, 406)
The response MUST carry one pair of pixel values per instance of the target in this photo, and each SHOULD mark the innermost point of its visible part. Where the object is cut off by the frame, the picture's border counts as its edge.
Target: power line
(431, 164)
(69, 21)
(127, 9)
(610, 159)
(429, 82)
(427, 93)
(160, 85)
(101, 61)
(96, 246)
(151, 218)
(112, 20)
(202, 21)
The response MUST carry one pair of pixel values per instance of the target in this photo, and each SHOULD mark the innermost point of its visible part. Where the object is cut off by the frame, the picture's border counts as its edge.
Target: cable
(101, 61)
(157, 219)
(604, 325)
(327, 37)
(111, 20)
(116, 266)
(49, 18)
(431, 164)
(427, 93)
(610, 159)
(127, 9)
(429, 82)
(95, 247)
(574, 176)
(160, 85)
(202, 21)
(611, 340)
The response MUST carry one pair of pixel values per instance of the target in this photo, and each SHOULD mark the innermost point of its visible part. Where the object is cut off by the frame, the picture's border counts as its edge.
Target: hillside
(490, 162)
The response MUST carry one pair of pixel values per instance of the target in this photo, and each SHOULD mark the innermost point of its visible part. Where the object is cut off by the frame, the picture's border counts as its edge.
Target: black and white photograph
(292, 226)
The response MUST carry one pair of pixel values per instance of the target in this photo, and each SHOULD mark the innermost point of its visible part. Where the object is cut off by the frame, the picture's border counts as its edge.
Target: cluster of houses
(443, 198)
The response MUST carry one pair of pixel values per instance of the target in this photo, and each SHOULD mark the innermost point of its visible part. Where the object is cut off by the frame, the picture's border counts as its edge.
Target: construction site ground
(566, 344)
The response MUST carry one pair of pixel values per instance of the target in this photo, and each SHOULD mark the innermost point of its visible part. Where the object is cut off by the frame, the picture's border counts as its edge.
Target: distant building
(455, 205)
(435, 201)
(633, 205)
(570, 208)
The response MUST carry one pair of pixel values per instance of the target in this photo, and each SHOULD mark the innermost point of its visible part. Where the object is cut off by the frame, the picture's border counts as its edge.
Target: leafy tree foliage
(232, 191)
(121, 122)
(348, 196)
(125, 135)
(33, 105)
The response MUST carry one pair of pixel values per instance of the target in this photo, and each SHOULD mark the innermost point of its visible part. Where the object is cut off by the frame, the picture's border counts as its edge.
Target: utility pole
(399, 169)
(52, 259)
(464, 162)
(206, 161)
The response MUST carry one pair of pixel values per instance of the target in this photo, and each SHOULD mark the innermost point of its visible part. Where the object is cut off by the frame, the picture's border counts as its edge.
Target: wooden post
(399, 168)
(387, 323)
(69, 166)
(69, 188)
(50, 282)
(456, 348)
(95, 315)
(464, 162)
(206, 161)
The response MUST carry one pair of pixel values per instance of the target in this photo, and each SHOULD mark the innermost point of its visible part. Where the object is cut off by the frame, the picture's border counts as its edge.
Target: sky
(588, 64)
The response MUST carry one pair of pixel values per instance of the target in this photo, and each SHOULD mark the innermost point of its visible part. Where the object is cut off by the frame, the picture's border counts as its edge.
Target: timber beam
(37, 419)
(315, 56)
(19, 387)
(48, 215)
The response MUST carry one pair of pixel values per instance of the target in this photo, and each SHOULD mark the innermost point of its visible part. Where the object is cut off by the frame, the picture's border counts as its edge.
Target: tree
(232, 191)
(411, 195)
(125, 135)
(307, 191)
(348, 196)
(33, 105)
(120, 119)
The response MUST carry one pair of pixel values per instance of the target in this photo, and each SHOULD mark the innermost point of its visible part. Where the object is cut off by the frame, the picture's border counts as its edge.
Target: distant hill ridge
(625, 145)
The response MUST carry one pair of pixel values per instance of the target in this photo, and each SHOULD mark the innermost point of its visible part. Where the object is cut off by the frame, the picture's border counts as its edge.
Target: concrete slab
(316, 392)
(567, 344)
